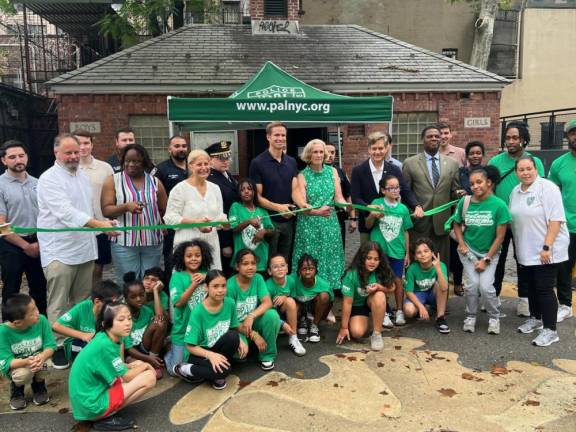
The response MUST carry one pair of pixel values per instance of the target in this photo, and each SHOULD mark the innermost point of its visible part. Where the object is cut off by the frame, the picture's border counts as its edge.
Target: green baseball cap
(570, 125)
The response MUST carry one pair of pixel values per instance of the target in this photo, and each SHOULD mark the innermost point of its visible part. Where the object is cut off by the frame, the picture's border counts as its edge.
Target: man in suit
(366, 178)
(434, 179)
(220, 154)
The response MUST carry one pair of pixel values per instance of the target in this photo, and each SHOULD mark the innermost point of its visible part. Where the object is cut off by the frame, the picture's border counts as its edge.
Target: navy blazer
(364, 191)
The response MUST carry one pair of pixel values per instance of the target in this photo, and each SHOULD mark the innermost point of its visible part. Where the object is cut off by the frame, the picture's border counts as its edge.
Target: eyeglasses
(392, 188)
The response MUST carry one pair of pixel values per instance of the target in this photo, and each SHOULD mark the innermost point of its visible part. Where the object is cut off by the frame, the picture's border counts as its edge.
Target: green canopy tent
(273, 94)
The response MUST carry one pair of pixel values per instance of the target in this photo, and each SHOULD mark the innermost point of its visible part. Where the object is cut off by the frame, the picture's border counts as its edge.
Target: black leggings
(227, 345)
(501, 267)
(540, 281)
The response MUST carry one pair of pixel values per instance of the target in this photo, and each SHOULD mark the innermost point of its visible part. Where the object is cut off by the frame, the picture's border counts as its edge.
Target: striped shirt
(126, 191)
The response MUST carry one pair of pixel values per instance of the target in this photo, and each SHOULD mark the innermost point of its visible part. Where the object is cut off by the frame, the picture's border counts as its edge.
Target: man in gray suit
(434, 180)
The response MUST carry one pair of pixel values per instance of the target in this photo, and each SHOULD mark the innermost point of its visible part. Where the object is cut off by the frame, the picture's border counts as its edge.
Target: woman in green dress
(317, 230)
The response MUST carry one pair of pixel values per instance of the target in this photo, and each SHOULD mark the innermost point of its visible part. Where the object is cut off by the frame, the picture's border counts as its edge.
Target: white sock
(187, 369)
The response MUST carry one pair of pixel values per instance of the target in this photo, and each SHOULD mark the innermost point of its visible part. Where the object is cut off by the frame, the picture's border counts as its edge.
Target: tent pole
(339, 149)
(171, 128)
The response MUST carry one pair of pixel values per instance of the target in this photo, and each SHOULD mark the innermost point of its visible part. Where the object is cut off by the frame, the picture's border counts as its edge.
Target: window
(406, 128)
(153, 133)
(276, 8)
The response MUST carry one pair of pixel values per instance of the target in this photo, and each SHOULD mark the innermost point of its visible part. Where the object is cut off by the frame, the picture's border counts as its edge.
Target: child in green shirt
(187, 289)
(259, 321)
(79, 323)
(152, 277)
(313, 295)
(280, 286)
(390, 231)
(426, 284)
(364, 287)
(211, 336)
(148, 334)
(26, 343)
(100, 383)
(250, 234)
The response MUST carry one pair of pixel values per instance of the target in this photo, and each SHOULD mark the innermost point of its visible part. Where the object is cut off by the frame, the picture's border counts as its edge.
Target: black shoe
(113, 423)
(40, 393)
(219, 384)
(17, 399)
(59, 360)
(442, 325)
(189, 379)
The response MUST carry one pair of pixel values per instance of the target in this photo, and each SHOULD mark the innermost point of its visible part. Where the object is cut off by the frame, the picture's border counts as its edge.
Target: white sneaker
(564, 312)
(494, 326)
(313, 333)
(530, 325)
(400, 320)
(303, 326)
(545, 338)
(522, 309)
(296, 346)
(387, 323)
(469, 325)
(376, 342)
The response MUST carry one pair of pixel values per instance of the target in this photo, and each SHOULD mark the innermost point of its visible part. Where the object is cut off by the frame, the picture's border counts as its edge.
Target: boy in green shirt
(26, 343)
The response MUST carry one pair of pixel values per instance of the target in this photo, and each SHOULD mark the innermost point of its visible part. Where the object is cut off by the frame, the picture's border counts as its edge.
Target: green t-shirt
(388, 231)
(81, 318)
(563, 173)
(481, 220)
(303, 294)
(19, 344)
(93, 372)
(163, 301)
(352, 287)
(139, 325)
(205, 327)
(179, 283)
(276, 290)
(505, 163)
(419, 280)
(246, 301)
(243, 239)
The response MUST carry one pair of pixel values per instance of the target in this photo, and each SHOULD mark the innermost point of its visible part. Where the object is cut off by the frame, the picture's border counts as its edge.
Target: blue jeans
(134, 258)
(176, 355)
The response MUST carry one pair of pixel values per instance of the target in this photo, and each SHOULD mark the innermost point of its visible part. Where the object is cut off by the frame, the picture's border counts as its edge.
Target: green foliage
(7, 7)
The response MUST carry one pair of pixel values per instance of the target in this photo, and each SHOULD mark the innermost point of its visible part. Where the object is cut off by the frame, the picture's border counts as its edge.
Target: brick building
(130, 87)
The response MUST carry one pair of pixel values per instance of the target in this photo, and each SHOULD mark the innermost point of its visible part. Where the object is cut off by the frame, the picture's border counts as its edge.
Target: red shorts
(115, 397)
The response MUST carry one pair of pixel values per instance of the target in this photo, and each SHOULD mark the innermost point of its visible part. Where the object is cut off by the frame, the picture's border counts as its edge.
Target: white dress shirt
(65, 201)
(376, 174)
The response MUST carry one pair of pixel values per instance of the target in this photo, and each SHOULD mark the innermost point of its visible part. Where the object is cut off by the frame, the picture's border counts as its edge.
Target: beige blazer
(415, 171)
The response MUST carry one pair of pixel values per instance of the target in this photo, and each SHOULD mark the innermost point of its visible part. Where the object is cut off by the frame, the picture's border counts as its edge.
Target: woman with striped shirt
(135, 198)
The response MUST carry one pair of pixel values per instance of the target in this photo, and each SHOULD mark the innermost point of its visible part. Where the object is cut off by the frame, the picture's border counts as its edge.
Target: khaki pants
(67, 286)
(23, 376)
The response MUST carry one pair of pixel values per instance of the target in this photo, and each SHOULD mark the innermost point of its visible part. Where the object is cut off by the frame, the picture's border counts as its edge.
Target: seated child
(148, 333)
(100, 383)
(192, 259)
(313, 295)
(152, 277)
(426, 284)
(364, 287)
(211, 336)
(280, 286)
(259, 321)
(26, 343)
(79, 323)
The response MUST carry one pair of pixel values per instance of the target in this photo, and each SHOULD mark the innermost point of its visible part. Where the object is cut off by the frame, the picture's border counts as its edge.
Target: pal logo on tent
(276, 91)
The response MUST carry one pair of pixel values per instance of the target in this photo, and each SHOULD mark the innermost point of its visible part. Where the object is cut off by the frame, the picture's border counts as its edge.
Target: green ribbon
(430, 212)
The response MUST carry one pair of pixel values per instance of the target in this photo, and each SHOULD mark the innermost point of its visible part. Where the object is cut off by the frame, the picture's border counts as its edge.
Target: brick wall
(257, 10)
(113, 112)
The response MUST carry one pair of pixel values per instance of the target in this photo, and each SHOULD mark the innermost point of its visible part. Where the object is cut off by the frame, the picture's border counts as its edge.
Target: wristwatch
(546, 248)
(487, 259)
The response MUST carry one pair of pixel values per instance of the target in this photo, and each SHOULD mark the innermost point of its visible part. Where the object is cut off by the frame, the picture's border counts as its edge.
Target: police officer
(220, 154)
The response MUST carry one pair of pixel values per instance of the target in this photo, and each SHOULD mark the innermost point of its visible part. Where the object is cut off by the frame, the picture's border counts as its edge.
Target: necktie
(435, 172)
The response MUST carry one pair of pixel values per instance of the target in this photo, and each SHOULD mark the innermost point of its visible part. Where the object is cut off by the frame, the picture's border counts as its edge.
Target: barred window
(406, 128)
(152, 132)
(275, 8)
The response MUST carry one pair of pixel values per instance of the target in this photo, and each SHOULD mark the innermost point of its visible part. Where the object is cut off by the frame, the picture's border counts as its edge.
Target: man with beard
(67, 258)
(517, 137)
(562, 173)
(171, 172)
(124, 136)
(19, 254)
(220, 154)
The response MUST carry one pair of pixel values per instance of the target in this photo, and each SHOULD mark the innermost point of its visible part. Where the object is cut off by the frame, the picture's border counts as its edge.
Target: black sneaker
(219, 384)
(17, 399)
(189, 379)
(442, 325)
(59, 360)
(113, 423)
(40, 393)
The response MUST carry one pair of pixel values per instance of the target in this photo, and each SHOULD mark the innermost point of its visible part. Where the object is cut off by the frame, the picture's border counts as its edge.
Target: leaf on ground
(299, 374)
(336, 385)
(380, 364)
(352, 358)
(530, 402)
(448, 392)
(470, 377)
(243, 383)
(397, 347)
(272, 383)
(341, 355)
(498, 370)
(436, 356)
(384, 393)
(393, 359)
(63, 411)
